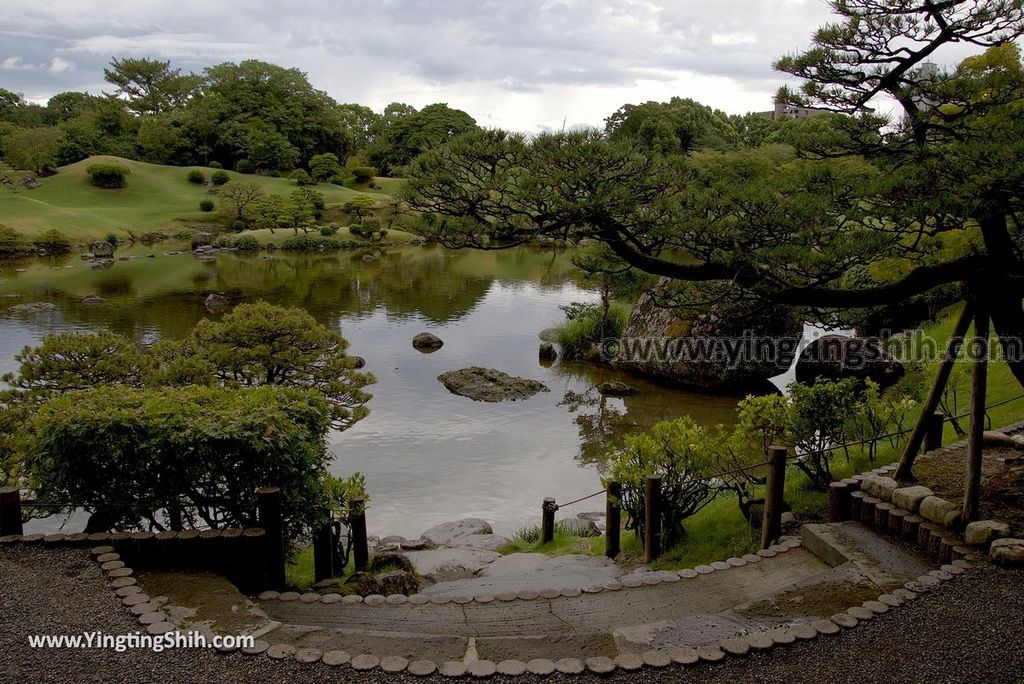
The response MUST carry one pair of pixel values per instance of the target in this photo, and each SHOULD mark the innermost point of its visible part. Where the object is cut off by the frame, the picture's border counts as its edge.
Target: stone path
(658, 612)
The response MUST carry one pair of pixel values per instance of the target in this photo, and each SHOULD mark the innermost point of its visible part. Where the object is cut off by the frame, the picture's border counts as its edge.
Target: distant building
(788, 111)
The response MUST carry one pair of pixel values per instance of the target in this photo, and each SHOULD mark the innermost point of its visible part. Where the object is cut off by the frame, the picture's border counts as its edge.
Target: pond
(428, 456)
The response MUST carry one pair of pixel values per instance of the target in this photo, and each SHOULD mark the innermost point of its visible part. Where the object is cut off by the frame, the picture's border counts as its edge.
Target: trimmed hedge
(108, 176)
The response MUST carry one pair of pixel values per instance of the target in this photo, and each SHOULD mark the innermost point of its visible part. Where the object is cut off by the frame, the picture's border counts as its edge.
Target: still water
(428, 456)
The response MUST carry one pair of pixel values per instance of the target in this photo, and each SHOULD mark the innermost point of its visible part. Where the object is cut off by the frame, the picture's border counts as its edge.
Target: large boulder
(984, 531)
(385, 584)
(488, 384)
(427, 342)
(716, 349)
(445, 565)
(101, 249)
(390, 561)
(836, 357)
(439, 535)
(617, 389)
(481, 542)
(578, 527)
(1007, 552)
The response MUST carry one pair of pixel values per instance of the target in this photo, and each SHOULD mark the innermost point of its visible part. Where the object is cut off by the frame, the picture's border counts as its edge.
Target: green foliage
(196, 176)
(150, 86)
(245, 166)
(33, 149)
(130, 455)
(109, 176)
(243, 243)
(310, 243)
(363, 174)
(206, 205)
(12, 243)
(329, 230)
(215, 165)
(301, 177)
(588, 324)
(240, 198)
(53, 242)
(684, 454)
(671, 128)
(323, 166)
(219, 177)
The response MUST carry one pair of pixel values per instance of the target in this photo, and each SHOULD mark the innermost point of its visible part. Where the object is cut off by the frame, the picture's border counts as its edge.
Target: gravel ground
(969, 630)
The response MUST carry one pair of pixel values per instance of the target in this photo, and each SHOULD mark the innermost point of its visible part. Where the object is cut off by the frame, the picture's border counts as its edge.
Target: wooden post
(979, 372)
(323, 551)
(771, 526)
(839, 501)
(10, 511)
(613, 520)
(652, 518)
(933, 438)
(547, 520)
(268, 501)
(906, 470)
(357, 523)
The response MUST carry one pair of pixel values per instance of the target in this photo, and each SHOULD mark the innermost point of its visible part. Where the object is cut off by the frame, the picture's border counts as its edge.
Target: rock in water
(34, 308)
(426, 342)
(93, 299)
(835, 357)
(547, 352)
(617, 389)
(215, 301)
(101, 249)
(716, 348)
(487, 384)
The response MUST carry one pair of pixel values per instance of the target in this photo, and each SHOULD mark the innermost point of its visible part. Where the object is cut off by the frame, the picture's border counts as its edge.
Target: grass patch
(578, 334)
(527, 540)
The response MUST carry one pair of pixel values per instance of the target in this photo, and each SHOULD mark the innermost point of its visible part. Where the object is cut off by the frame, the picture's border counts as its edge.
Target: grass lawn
(156, 197)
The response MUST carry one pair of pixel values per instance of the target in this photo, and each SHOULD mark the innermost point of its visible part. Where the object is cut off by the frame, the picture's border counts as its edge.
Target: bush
(243, 243)
(584, 329)
(301, 177)
(220, 177)
(363, 174)
(216, 165)
(108, 176)
(274, 173)
(314, 243)
(206, 205)
(337, 180)
(245, 166)
(196, 176)
(12, 243)
(112, 239)
(199, 447)
(331, 229)
(53, 242)
(185, 234)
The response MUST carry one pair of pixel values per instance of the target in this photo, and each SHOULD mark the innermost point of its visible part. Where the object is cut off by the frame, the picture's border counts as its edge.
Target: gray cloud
(523, 64)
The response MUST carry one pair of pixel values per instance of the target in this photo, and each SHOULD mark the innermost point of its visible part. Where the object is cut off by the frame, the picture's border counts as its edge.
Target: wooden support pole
(613, 519)
(906, 470)
(323, 551)
(268, 502)
(10, 511)
(652, 518)
(839, 501)
(357, 525)
(547, 520)
(979, 375)
(933, 438)
(771, 526)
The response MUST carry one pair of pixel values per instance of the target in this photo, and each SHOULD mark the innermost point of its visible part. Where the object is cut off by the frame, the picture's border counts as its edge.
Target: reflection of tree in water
(599, 423)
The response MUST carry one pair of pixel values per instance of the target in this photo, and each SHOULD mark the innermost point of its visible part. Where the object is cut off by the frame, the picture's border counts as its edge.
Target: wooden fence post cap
(9, 489)
(268, 490)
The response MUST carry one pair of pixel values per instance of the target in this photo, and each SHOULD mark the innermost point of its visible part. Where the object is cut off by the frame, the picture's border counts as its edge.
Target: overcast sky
(520, 64)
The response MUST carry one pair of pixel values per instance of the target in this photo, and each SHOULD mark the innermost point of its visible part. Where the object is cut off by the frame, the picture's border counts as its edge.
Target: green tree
(150, 86)
(409, 134)
(675, 127)
(34, 149)
(324, 166)
(240, 198)
(360, 206)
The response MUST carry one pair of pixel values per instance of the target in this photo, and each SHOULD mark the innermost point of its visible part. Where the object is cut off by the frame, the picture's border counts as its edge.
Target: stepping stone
(484, 598)
(135, 599)
(258, 646)
(124, 582)
(108, 556)
(481, 669)
(124, 592)
(711, 654)
(453, 668)
(159, 628)
(803, 631)
(845, 620)
(540, 666)
(891, 600)
(905, 594)
(760, 641)
(152, 618)
(422, 668)
(511, 668)
(573, 592)
(628, 662)
(600, 665)
(375, 600)
(736, 647)
(860, 612)
(112, 565)
(549, 593)
(143, 608)
(688, 573)
(330, 598)
(281, 651)
(684, 655)
(352, 599)
(782, 636)
(393, 664)
(100, 550)
(569, 665)
(120, 572)
(632, 582)
(736, 562)
(268, 595)
(826, 627)
(308, 655)
(704, 569)
(527, 595)
(656, 659)
(419, 600)
(613, 585)
(719, 565)
(876, 607)
(752, 558)
(335, 658)
(463, 600)
(288, 596)
(364, 662)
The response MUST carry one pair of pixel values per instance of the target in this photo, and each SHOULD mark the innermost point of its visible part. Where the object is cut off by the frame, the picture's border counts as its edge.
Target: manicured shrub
(315, 243)
(216, 165)
(196, 176)
(274, 173)
(363, 174)
(219, 177)
(108, 176)
(245, 166)
(112, 239)
(243, 243)
(329, 230)
(185, 234)
(206, 205)
(301, 177)
(53, 242)
(337, 180)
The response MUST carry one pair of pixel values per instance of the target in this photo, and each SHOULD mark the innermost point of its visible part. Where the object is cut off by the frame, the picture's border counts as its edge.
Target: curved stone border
(631, 581)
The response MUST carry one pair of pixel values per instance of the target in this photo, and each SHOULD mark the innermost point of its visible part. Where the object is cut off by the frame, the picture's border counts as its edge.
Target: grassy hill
(156, 197)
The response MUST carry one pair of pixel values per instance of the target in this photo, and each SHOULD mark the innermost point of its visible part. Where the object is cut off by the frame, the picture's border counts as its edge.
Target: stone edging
(154, 621)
